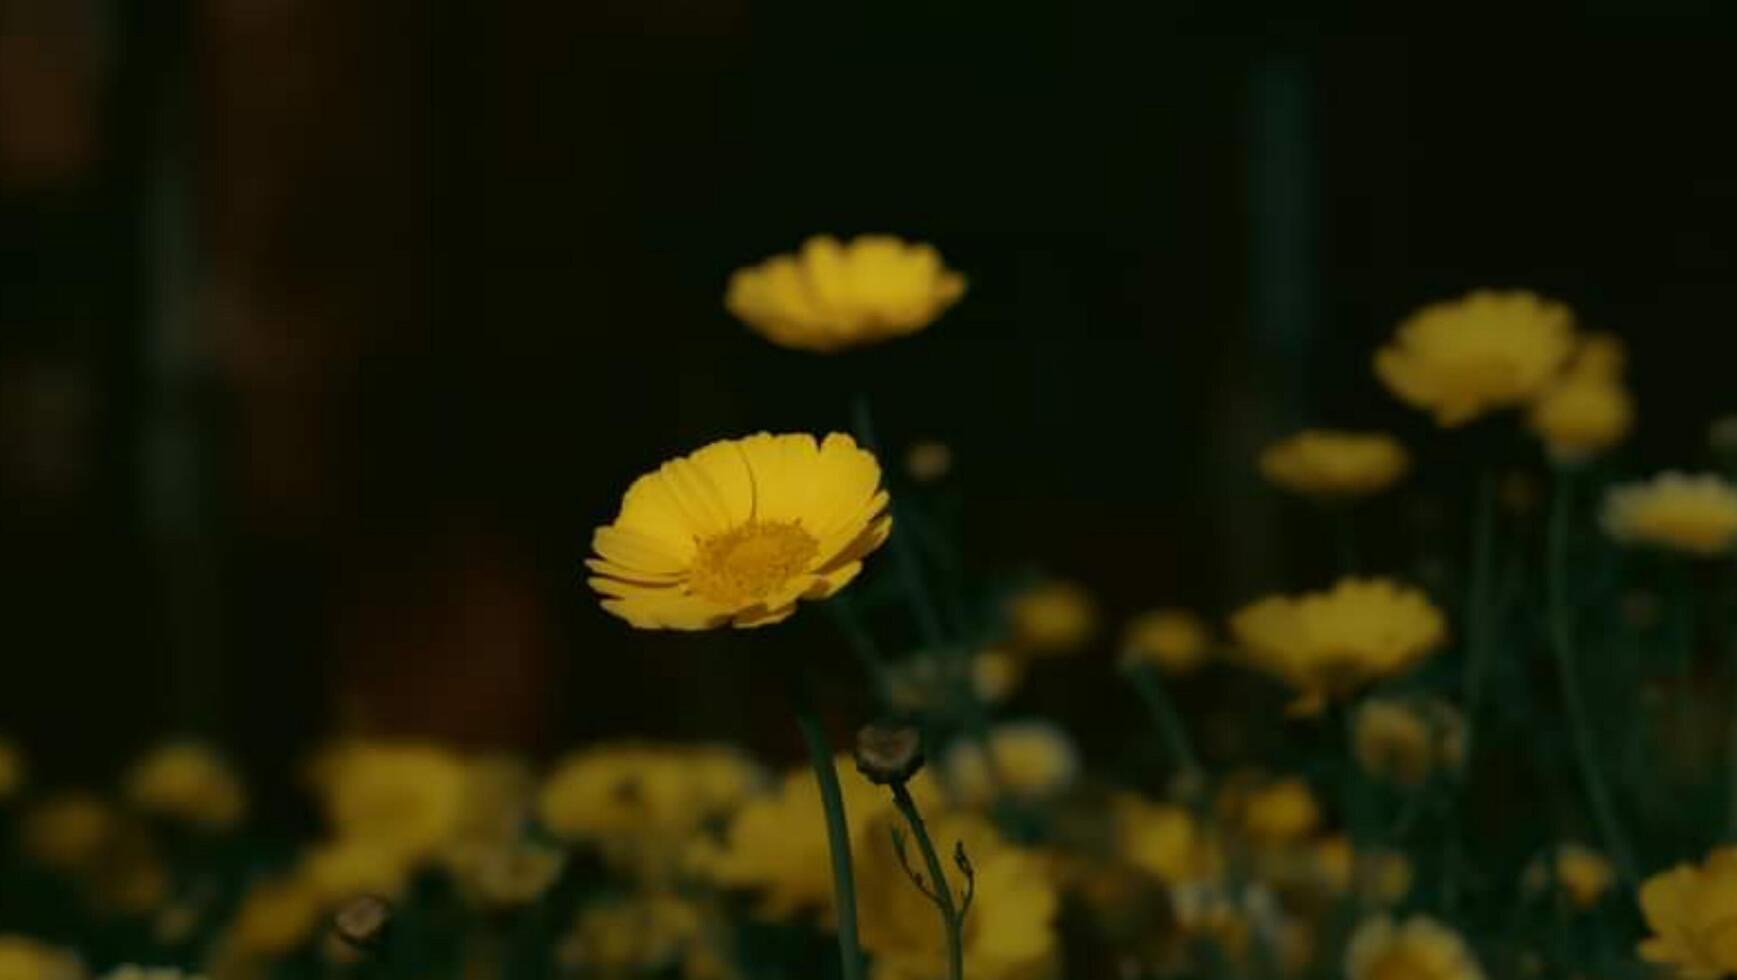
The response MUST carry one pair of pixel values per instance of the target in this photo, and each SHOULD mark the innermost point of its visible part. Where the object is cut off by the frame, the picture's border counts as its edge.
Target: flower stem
(1478, 615)
(952, 921)
(1574, 703)
(1166, 720)
(837, 833)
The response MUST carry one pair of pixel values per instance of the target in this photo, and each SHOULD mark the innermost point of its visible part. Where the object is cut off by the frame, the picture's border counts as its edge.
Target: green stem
(1478, 615)
(1562, 645)
(1166, 720)
(904, 548)
(952, 923)
(837, 833)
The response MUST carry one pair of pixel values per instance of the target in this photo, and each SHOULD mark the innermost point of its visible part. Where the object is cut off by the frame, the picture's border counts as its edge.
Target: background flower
(1176, 641)
(1331, 464)
(1695, 515)
(1689, 910)
(1488, 350)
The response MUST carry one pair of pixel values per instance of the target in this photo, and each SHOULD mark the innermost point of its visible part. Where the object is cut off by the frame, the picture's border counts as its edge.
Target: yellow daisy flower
(187, 781)
(1383, 877)
(22, 958)
(1696, 515)
(832, 296)
(739, 531)
(1328, 644)
(1165, 841)
(1405, 740)
(274, 918)
(1032, 759)
(1587, 410)
(1175, 641)
(1335, 465)
(1051, 618)
(1689, 910)
(636, 936)
(1486, 351)
(69, 831)
(407, 798)
(1583, 874)
(1420, 948)
(1276, 813)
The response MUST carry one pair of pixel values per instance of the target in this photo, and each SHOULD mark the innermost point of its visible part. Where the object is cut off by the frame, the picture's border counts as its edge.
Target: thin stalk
(1166, 719)
(1478, 617)
(837, 833)
(861, 642)
(905, 555)
(1562, 645)
(952, 921)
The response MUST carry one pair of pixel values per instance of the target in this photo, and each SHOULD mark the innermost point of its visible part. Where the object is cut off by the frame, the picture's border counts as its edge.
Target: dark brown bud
(362, 922)
(888, 754)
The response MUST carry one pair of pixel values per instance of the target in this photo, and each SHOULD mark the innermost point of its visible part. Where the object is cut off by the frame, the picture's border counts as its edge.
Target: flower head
(1486, 351)
(636, 936)
(274, 918)
(69, 831)
(402, 798)
(1419, 948)
(1327, 644)
(1050, 618)
(739, 531)
(1587, 410)
(832, 296)
(1335, 465)
(1689, 910)
(1032, 759)
(1271, 813)
(1175, 641)
(1405, 740)
(1696, 515)
(22, 958)
(1379, 876)
(1583, 874)
(187, 781)
(1166, 841)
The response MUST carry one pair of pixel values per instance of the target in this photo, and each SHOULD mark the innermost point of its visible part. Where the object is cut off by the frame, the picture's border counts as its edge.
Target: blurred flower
(1010, 933)
(22, 958)
(1488, 350)
(1404, 740)
(406, 798)
(739, 531)
(928, 681)
(1272, 813)
(1330, 464)
(1382, 877)
(634, 936)
(506, 874)
(1175, 641)
(1328, 644)
(129, 875)
(1675, 511)
(68, 832)
(1419, 948)
(1586, 410)
(832, 296)
(498, 799)
(274, 918)
(1032, 759)
(1051, 617)
(131, 972)
(1689, 910)
(1583, 874)
(996, 675)
(1165, 841)
(346, 868)
(928, 460)
(187, 781)
(12, 769)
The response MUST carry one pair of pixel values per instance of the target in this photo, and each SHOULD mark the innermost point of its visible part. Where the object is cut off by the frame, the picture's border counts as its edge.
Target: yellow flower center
(748, 563)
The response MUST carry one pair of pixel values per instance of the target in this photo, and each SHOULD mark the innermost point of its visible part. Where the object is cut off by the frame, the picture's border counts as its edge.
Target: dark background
(328, 330)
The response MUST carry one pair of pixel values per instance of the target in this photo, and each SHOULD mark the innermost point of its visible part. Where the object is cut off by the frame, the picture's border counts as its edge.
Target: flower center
(748, 563)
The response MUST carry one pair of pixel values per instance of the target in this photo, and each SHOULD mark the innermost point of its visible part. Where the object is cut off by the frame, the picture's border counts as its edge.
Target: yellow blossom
(1052, 617)
(1586, 410)
(12, 769)
(1032, 759)
(928, 461)
(187, 781)
(69, 831)
(22, 958)
(1175, 641)
(1583, 874)
(925, 682)
(346, 868)
(1419, 948)
(1404, 740)
(1689, 910)
(1275, 813)
(407, 798)
(1488, 350)
(631, 937)
(1381, 876)
(832, 295)
(1328, 644)
(1335, 465)
(504, 874)
(275, 918)
(739, 531)
(1696, 515)
(1165, 841)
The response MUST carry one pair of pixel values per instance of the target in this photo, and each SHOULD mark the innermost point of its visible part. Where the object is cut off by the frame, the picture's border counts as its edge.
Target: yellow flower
(407, 798)
(1165, 841)
(275, 917)
(1689, 910)
(1696, 515)
(1404, 740)
(1276, 813)
(1329, 464)
(995, 675)
(1420, 948)
(1032, 760)
(928, 461)
(1382, 877)
(1583, 874)
(505, 874)
(1486, 351)
(22, 958)
(69, 831)
(834, 296)
(925, 682)
(738, 531)
(637, 936)
(1587, 410)
(12, 769)
(345, 868)
(1175, 641)
(1051, 618)
(187, 781)
(1328, 644)
(640, 803)
(1010, 932)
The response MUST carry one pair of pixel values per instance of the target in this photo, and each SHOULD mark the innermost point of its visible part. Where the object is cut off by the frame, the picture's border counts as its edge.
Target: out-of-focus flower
(1051, 618)
(928, 461)
(1419, 948)
(505, 874)
(23, 958)
(1404, 740)
(832, 296)
(12, 769)
(926, 681)
(132, 972)
(129, 876)
(70, 831)
(1165, 841)
(1696, 515)
(1032, 759)
(406, 798)
(1486, 351)
(996, 675)
(187, 781)
(1689, 910)
(1382, 877)
(739, 531)
(1583, 874)
(1329, 644)
(1175, 641)
(498, 799)
(1271, 813)
(1586, 410)
(636, 936)
(275, 918)
(348, 867)
(1010, 933)
(1335, 465)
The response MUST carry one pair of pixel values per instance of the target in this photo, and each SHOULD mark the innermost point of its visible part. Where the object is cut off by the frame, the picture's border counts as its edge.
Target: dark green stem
(1478, 640)
(837, 833)
(1166, 720)
(952, 921)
